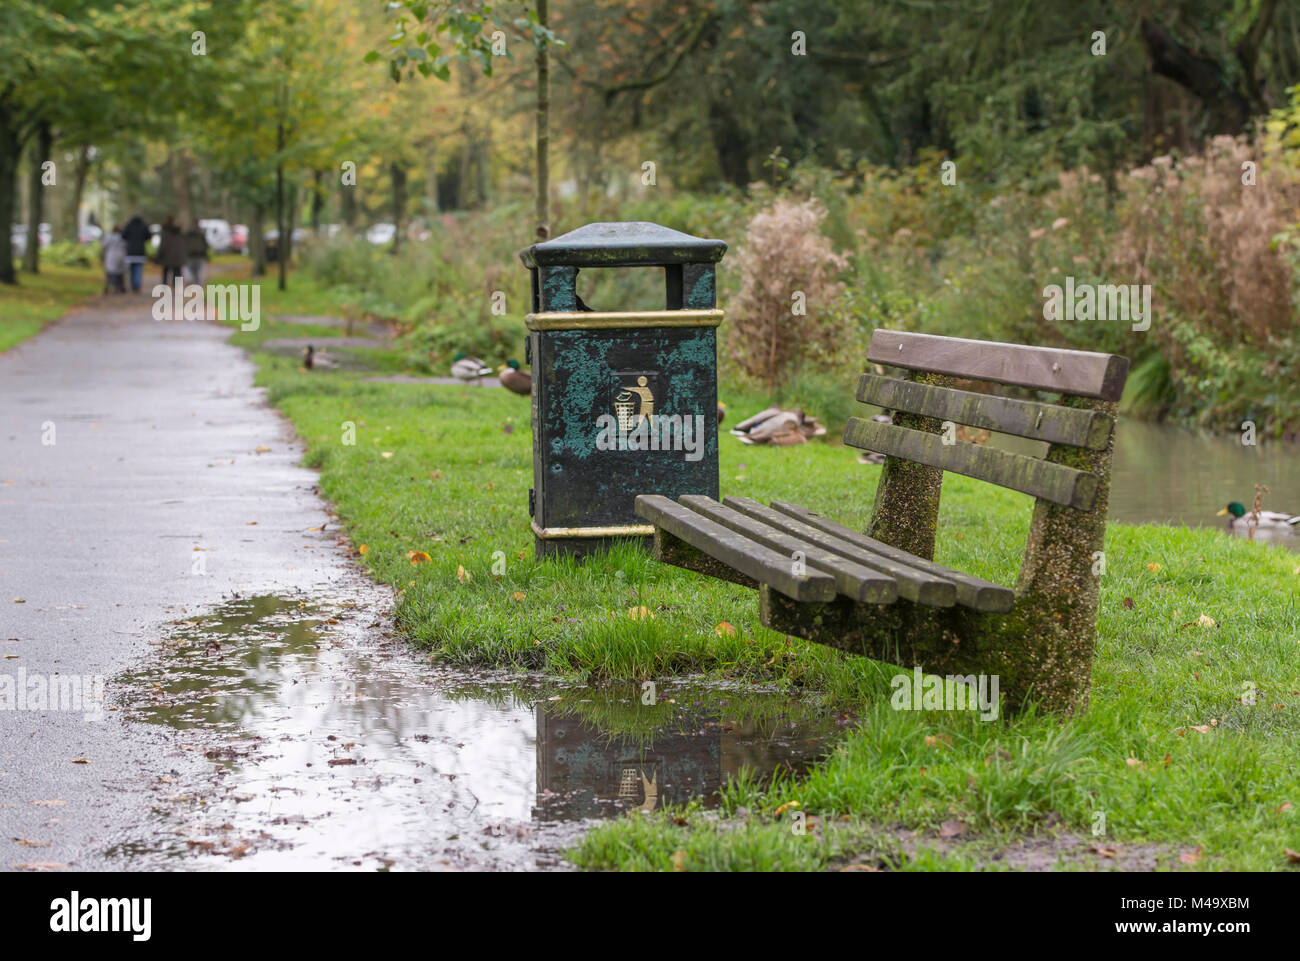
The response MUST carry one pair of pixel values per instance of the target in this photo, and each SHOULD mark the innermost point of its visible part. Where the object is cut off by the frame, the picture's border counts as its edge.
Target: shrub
(784, 255)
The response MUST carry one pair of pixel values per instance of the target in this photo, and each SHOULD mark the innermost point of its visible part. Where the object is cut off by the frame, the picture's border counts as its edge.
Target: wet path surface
(197, 676)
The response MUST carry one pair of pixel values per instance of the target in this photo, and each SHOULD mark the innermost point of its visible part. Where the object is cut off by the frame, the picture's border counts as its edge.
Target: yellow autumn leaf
(463, 575)
(263, 449)
(640, 613)
(386, 453)
(518, 596)
(725, 628)
(1205, 621)
(1153, 567)
(417, 557)
(363, 549)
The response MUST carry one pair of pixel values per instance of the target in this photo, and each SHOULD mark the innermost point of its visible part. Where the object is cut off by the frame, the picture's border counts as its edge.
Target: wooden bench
(881, 594)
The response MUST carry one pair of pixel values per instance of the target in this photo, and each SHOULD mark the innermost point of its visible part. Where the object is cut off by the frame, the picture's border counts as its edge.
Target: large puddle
(325, 743)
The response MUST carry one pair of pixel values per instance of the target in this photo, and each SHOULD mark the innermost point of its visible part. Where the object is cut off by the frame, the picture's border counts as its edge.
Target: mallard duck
(314, 360)
(514, 379)
(469, 369)
(1240, 517)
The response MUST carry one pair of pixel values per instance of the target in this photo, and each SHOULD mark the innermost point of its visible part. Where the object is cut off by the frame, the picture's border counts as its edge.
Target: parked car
(18, 237)
(381, 234)
(217, 233)
(239, 239)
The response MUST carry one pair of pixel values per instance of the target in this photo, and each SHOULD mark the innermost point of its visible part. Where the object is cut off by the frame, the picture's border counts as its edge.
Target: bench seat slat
(860, 583)
(1029, 475)
(1024, 418)
(735, 550)
(931, 588)
(1079, 372)
(973, 592)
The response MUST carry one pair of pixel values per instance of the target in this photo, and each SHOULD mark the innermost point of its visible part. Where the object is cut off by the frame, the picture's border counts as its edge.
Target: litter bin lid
(633, 243)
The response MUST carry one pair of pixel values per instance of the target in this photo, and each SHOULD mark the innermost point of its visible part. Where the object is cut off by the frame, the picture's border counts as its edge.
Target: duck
(313, 360)
(469, 369)
(1240, 517)
(514, 379)
(778, 428)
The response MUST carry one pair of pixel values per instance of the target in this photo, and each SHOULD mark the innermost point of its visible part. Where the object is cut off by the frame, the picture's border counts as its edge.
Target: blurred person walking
(113, 250)
(171, 250)
(136, 236)
(196, 253)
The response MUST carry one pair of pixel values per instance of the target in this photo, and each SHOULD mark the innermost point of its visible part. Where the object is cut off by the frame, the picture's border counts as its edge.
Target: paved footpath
(129, 450)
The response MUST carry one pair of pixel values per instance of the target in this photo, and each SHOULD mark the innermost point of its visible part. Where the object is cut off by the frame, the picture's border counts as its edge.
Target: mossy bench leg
(1041, 651)
(906, 512)
(1049, 638)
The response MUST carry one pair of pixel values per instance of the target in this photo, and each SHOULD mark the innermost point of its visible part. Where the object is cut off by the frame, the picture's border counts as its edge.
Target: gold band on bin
(600, 320)
(623, 530)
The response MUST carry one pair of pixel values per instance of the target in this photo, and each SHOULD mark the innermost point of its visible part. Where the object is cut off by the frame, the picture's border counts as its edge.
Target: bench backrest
(1094, 377)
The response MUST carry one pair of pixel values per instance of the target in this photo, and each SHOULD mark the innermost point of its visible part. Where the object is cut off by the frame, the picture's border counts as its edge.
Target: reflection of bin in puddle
(583, 772)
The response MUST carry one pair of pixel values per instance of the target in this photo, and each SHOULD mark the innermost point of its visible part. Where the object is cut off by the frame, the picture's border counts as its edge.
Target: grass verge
(1176, 754)
(40, 298)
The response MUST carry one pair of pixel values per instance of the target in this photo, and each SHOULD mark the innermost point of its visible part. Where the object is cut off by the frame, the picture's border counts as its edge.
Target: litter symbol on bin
(634, 401)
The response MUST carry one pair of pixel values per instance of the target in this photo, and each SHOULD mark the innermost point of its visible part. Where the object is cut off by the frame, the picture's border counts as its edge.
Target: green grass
(456, 486)
(40, 298)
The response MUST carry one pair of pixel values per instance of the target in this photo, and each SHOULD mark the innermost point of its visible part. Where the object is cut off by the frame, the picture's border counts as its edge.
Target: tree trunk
(348, 205)
(281, 257)
(729, 144)
(10, 150)
(178, 163)
(317, 199)
(398, 175)
(40, 153)
(72, 212)
(543, 213)
(257, 240)
(1227, 109)
(291, 222)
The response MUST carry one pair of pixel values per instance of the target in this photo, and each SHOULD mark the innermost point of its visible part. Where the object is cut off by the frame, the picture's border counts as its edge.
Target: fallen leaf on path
(952, 829)
(40, 866)
(1104, 852)
(363, 550)
(49, 804)
(342, 760)
(860, 867)
(81, 760)
(1191, 857)
(263, 449)
(32, 844)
